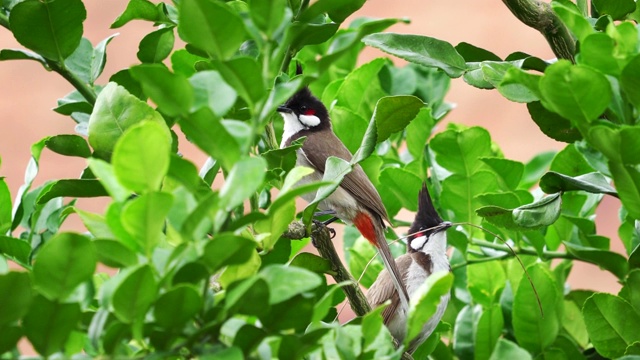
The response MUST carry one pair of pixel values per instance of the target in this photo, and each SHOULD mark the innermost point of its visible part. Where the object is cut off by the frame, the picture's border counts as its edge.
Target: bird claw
(320, 224)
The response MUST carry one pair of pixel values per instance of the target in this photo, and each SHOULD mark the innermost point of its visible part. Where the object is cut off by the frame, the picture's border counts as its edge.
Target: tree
(217, 273)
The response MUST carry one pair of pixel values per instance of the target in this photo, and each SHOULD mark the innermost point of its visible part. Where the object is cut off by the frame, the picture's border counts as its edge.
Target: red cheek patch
(310, 112)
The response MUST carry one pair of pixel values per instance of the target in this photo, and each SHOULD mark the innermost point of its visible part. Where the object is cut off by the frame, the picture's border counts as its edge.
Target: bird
(356, 201)
(426, 254)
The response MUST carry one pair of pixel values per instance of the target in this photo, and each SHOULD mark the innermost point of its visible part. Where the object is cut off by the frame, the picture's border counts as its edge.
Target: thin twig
(83, 88)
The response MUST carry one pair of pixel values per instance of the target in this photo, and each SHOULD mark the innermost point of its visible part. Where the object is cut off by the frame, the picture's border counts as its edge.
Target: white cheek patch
(309, 120)
(291, 127)
(418, 243)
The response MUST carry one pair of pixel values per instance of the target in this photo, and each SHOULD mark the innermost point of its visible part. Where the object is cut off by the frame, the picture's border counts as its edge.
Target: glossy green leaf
(518, 85)
(249, 297)
(312, 262)
(63, 263)
(573, 19)
(330, 299)
(459, 151)
(156, 46)
(171, 92)
(286, 282)
(630, 81)
(302, 33)
(540, 213)
(210, 90)
(49, 324)
(485, 282)
(114, 254)
(5, 207)
(77, 188)
(509, 171)
(552, 124)
(13, 307)
(626, 179)
(337, 10)
(394, 113)
(421, 50)
(361, 90)
(211, 26)
(11, 334)
(472, 53)
(242, 182)
(595, 182)
(463, 334)
(506, 349)
(360, 254)
(175, 307)
(349, 126)
(105, 173)
(418, 131)
(425, 302)
(612, 324)
(616, 9)
(68, 145)
(608, 260)
(573, 323)
(115, 111)
(577, 93)
(488, 331)
(267, 14)
(15, 249)
(244, 74)
(401, 189)
(459, 193)
(534, 331)
(597, 51)
(631, 289)
(14, 54)
(227, 249)
(133, 297)
(144, 219)
(139, 10)
(52, 29)
(141, 157)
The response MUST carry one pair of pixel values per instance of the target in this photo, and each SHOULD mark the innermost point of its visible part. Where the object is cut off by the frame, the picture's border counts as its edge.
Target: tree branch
(539, 15)
(83, 88)
(524, 251)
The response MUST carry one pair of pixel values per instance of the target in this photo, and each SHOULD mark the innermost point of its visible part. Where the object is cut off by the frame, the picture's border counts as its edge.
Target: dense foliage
(205, 273)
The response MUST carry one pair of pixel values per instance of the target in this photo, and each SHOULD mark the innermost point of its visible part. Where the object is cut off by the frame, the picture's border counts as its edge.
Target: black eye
(303, 108)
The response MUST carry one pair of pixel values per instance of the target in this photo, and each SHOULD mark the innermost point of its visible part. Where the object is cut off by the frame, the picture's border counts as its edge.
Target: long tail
(373, 231)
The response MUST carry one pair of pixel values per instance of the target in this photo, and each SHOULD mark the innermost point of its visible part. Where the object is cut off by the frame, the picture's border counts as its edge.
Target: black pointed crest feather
(427, 216)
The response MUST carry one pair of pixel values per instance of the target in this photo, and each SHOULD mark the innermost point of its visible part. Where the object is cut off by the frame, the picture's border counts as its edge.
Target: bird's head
(427, 224)
(303, 111)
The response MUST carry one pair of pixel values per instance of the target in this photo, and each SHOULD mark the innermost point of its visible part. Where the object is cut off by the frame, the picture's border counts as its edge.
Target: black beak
(284, 109)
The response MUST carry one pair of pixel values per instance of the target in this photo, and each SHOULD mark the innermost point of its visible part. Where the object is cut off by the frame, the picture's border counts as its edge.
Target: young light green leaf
(114, 254)
(485, 282)
(612, 324)
(359, 256)
(210, 90)
(144, 218)
(361, 88)
(135, 294)
(171, 92)
(243, 181)
(337, 10)
(459, 151)
(115, 111)
(330, 299)
(49, 323)
(630, 81)
(156, 46)
(616, 9)
(286, 282)
(401, 189)
(506, 349)
(626, 179)
(597, 51)
(211, 26)
(421, 50)
(139, 10)
(227, 249)
(594, 182)
(267, 14)
(573, 19)
(76, 188)
(13, 307)
(243, 74)
(509, 171)
(141, 157)
(425, 302)
(418, 131)
(105, 173)
(488, 331)
(5, 207)
(63, 263)
(52, 29)
(394, 113)
(533, 331)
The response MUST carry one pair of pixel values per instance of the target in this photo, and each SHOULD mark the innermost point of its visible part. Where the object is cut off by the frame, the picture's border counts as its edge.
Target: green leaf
(15, 249)
(114, 254)
(15, 54)
(171, 92)
(517, 85)
(69, 145)
(349, 126)
(421, 50)
(361, 90)
(617, 9)
(156, 46)
(459, 151)
(312, 262)
(535, 168)
(597, 51)
(77, 188)
(360, 254)
(394, 113)
(577, 93)
(608, 260)
(115, 111)
(337, 10)
(612, 324)
(49, 324)
(139, 10)
(243, 74)
(401, 189)
(472, 53)
(175, 307)
(11, 334)
(52, 29)
(243, 181)
(5, 207)
(63, 263)
(630, 81)
(207, 131)
(533, 331)
(227, 249)
(552, 124)
(626, 179)
(594, 182)
(267, 15)
(506, 349)
(330, 299)
(488, 331)
(248, 297)
(573, 323)
(210, 90)
(13, 307)
(573, 19)
(105, 173)
(133, 297)
(485, 282)
(285, 282)
(418, 131)
(509, 172)
(335, 170)
(463, 333)
(141, 157)
(631, 289)
(144, 219)
(540, 213)
(459, 194)
(211, 26)
(425, 302)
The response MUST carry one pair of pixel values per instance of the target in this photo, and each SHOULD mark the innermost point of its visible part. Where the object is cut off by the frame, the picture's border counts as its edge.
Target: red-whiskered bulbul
(356, 201)
(426, 254)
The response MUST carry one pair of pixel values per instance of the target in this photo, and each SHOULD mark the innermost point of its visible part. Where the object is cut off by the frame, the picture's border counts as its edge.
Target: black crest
(427, 217)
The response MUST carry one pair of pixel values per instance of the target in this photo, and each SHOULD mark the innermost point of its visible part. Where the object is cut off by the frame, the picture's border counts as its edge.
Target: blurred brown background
(28, 93)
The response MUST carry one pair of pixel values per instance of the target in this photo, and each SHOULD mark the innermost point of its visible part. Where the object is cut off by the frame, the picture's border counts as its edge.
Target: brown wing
(383, 289)
(356, 182)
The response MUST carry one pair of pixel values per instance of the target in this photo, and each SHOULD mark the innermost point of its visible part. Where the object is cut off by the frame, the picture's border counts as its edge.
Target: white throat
(436, 244)
(291, 127)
